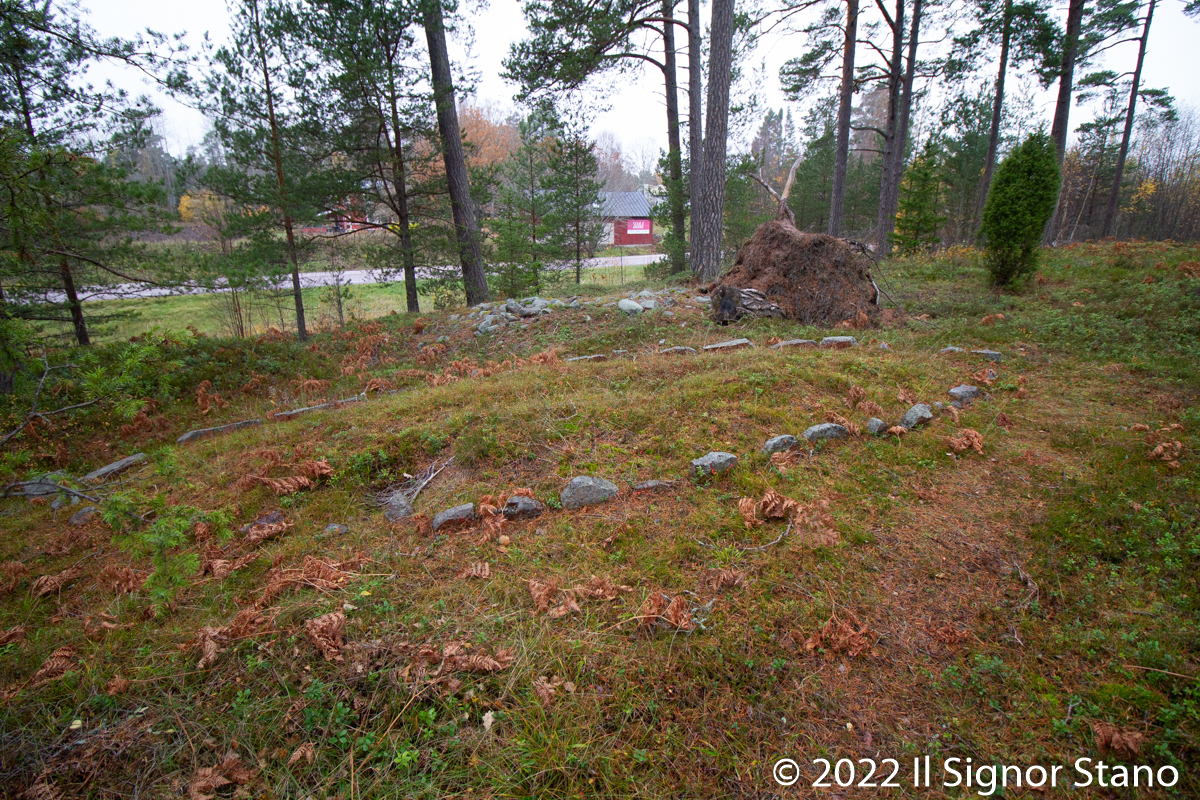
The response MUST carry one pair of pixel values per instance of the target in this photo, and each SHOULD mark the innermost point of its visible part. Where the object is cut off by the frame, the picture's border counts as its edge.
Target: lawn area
(1015, 582)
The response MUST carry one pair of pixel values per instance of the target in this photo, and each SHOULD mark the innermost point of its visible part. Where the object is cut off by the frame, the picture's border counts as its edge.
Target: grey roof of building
(624, 204)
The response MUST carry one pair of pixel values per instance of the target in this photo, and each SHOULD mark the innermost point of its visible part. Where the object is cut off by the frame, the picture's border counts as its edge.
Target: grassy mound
(1014, 582)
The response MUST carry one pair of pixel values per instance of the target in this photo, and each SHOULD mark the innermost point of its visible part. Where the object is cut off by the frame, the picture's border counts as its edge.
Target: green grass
(1011, 599)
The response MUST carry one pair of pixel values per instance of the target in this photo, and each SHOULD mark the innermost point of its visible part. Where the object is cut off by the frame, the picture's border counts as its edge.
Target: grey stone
(650, 486)
(777, 443)
(397, 506)
(84, 514)
(454, 317)
(61, 502)
(333, 529)
(274, 518)
(916, 415)
(794, 343)
(876, 426)
(649, 305)
(597, 357)
(679, 349)
(204, 433)
(644, 293)
(97, 476)
(702, 300)
(452, 516)
(884, 346)
(520, 507)
(669, 314)
(990, 355)
(839, 342)
(630, 307)
(965, 392)
(826, 430)
(732, 344)
(938, 405)
(587, 491)
(574, 304)
(950, 349)
(619, 352)
(714, 463)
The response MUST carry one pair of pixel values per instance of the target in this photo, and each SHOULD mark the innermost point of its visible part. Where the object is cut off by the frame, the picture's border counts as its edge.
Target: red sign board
(637, 226)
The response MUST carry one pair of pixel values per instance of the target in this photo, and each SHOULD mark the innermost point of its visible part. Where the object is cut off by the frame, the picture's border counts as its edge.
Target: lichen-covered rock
(826, 430)
(990, 355)
(965, 392)
(918, 414)
(97, 476)
(585, 490)
(714, 463)
(397, 507)
(521, 507)
(777, 443)
(459, 515)
(732, 344)
(839, 342)
(630, 307)
(876, 426)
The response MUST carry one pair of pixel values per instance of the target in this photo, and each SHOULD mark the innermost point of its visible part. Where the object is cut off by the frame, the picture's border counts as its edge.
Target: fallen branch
(58, 487)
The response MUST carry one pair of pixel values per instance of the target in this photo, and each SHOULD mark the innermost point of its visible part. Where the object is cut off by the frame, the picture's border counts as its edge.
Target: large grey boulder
(826, 430)
(648, 305)
(397, 506)
(777, 443)
(630, 307)
(965, 392)
(714, 463)
(585, 490)
(839, 342)
(521, 507)
(98, 476)
(877, 426)
(204, 433)
(457, 515)
(918, 414)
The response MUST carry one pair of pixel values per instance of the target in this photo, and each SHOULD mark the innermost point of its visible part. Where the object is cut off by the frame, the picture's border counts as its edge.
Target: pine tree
(1019, 204)
(918, 222)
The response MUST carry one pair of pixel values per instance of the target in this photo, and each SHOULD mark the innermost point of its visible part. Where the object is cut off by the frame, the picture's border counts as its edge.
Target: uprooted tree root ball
(811, 278)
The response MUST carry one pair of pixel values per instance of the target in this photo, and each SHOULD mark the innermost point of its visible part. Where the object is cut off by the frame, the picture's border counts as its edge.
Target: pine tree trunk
(695, 125)
(1110, 214)
(1062, 109)
(706, 245)
(76, 307)
(674, 158)
(400, 186)
(997, 106)
(902, 122)
(466, 226)
(893, 147)
(841, 155)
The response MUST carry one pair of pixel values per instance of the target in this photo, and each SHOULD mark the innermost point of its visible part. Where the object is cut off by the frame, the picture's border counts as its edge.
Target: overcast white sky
(637, 116)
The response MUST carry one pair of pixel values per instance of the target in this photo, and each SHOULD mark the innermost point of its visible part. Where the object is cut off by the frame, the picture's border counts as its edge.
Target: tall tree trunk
(674, 158)
(281, 184)
(76, 307)
(893, 146)
(466, 225)
(400, 186)
(1066, 79)
(989, 164)
(695, 124)
(1110, 214)
(841, 155)
(1062, 108)
(706, 245)
(903, 120)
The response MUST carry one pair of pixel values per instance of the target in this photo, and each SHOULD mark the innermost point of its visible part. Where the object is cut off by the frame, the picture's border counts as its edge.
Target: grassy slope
(1006, 595)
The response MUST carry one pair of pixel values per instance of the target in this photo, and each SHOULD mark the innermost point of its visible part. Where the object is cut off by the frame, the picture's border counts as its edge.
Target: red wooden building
(626, 217)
